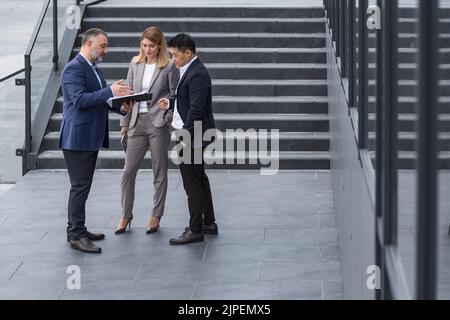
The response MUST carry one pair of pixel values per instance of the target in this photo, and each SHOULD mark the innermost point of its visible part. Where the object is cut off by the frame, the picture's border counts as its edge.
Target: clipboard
(116, 102)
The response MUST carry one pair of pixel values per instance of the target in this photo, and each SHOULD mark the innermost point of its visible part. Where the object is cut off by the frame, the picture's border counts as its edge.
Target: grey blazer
(162, 85)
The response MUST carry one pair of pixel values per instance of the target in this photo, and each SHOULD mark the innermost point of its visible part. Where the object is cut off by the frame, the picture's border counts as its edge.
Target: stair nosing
(256, 65)
(240, 116)
(119, 154)
(202, 19)
(228, 49)
(195, 35)
(53, 135)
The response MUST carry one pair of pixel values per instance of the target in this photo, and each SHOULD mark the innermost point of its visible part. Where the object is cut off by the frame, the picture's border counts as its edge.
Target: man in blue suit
(84, 130)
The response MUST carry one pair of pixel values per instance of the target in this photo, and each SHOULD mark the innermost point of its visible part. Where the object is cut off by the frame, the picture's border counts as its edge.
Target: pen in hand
(121, 90)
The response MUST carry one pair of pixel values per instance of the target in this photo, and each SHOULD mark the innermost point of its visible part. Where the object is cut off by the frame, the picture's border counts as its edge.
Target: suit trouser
(198, 190)
(145, 136)
(80, 166)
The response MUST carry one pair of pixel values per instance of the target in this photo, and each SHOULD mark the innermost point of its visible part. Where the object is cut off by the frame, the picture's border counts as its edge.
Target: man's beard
(96, 57)
(99, 59)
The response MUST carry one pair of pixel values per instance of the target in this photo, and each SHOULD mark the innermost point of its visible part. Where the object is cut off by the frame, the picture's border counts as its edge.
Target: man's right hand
(120, 89)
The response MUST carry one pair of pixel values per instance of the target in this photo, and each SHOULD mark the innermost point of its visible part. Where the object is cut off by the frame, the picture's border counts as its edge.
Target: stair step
(199, 24)
(270, 88)
(108, 10)
(281, 105)
(115, 160)
(267, 71)
(227, 39)
(288, 141)
(233, 55)
(257, 104)
(282, 122)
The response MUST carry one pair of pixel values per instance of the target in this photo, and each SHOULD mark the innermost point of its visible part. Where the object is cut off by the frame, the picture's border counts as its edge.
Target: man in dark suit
(193, 108)
(84, 130)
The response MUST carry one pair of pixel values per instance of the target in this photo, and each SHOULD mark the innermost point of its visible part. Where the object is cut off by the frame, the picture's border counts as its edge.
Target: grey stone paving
(277, 240)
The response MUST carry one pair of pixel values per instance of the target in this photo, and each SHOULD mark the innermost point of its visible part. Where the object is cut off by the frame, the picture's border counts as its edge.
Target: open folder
(116, 102)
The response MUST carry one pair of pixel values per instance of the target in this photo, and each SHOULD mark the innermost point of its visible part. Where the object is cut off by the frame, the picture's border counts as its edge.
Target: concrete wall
(355, 214)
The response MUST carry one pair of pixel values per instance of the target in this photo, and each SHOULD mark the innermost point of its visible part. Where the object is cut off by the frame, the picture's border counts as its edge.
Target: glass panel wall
(443, 226)
(373, 49)
(41, 59)
(407, 137)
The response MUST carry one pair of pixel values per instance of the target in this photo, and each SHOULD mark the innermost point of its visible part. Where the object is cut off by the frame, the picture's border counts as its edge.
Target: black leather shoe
(85, 245)
(211, 228)
(208, 229)
(95, 236)
(91, 236)
(187, 237)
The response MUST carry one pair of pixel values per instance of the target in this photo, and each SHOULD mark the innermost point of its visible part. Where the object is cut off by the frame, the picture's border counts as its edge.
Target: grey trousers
(145, 136)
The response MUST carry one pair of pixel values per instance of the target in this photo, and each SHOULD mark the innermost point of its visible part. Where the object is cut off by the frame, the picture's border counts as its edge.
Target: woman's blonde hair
(155, 35)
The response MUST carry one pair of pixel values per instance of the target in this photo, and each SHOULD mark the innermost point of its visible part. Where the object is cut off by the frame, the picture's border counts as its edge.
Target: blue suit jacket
(85, 112)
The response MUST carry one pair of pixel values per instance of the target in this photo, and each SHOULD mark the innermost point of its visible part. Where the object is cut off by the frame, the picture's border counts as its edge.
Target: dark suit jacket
(85, 111)
(194, 98)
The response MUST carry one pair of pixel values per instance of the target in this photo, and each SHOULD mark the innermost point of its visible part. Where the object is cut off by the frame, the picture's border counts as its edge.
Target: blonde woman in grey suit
(146, 126)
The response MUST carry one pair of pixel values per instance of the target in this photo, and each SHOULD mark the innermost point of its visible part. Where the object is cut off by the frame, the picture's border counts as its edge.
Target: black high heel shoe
(153, 225)
(122, 230)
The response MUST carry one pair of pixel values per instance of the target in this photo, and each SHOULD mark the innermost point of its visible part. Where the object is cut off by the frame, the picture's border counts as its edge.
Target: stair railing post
(55, 35)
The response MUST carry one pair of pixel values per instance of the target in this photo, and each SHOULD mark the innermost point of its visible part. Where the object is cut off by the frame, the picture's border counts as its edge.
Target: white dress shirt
(146, 79)
(177, 122)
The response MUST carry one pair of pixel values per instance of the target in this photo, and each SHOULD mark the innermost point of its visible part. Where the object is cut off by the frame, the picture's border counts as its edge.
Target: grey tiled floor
(277, 240)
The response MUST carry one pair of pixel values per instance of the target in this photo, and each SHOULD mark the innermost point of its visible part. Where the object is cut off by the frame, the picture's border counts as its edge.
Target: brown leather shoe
(153, 225)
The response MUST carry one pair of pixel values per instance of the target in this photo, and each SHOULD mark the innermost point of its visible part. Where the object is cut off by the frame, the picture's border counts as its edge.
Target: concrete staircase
(268, 69)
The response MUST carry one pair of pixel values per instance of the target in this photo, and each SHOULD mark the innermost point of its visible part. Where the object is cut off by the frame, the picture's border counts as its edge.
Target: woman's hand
(124, 131)
(127, 106)
(163, 104)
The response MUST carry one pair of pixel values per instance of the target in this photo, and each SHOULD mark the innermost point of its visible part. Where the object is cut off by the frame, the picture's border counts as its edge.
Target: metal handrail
(89, 3)
(12, 75)
(37, 28)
